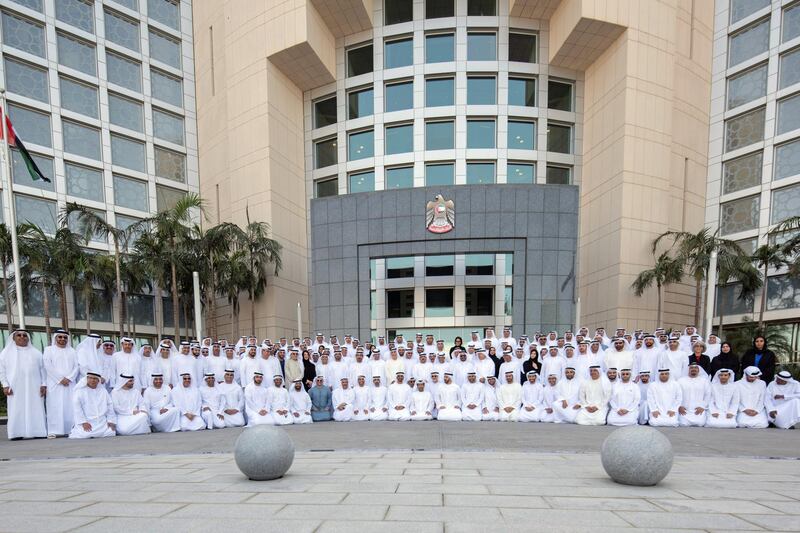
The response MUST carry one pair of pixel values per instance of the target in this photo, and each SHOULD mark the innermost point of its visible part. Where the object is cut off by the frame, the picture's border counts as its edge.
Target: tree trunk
(176, 314)
(87, 308)
(186, 320)
(133, 329)
(722, 303)
(62, 303)
(253, 313)
(763, 300)
(46, 302)
(658, 313)
(235, 307)
(698, 296)
(7, 296)
(159, 317)
(124, 314)
(119, 287)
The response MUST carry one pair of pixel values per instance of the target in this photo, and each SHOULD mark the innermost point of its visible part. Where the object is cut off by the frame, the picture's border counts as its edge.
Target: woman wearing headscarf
(724, 402)
(725, 359)
(762, 357)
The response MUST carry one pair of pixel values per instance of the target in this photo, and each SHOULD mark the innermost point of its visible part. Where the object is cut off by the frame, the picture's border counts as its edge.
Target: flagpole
(8, 198)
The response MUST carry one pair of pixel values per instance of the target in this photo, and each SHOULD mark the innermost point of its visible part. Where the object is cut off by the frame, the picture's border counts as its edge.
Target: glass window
(359, 103)
(788, 114)
(78, 97)
(439, 265)
(170, 165)
(783, 292)
(731, 301)
(399, 96)
(397, 11)
(440, 135)
(399, 139)
(21, 175)
(481, 90)
(509, 259)
(399, 178)
(79, 13)
(559, 138)
(36, 5)
(124, 112)
(166, 88)
(399, 267)
(84, 182)
(744, 129)
(521, 135)
(23, 34)
(741, 173)
(559, 96)
(398, 53)
(99, 308)
(124, 222)
(785, 203)
(478, 301)
(34, 301)
(30, 125)
(122, 30)
(742, 8)
(791, 23)
(124, 72)
(559, 175)
(326, 153)
(480, 134)
(165, 49)
(481, 8)
(787, 160)
(508, 301)
(520, 173)
(81, 140)
(439, 47)
(77, 54)
(130, 193)
(790, 68)
(400, 304)
(27, 80)
(739, 215)
(166, 12)
(481, 46)
(359, 60)
(360, 145)
(36, 211)
(479, 264)
(127, 153)
(326, 187)
(325, 112)
(438, 302)
(480, 173)
(435, 9)
(522, 47)
(362, 182)
(167, 126)
(747, 86)
(748, 245)
(439, 174)
(522, 92)
(748, 42)
(166, 198)
(130, 4)
(439, 92)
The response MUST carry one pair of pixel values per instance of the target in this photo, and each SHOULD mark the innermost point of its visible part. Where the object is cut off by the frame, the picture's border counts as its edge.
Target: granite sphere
(637, 455)
(264, 452)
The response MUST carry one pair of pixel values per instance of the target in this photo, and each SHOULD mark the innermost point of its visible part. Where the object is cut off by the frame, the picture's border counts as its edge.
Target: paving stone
(204, 524)
(491, 500)
(132, 509)
(447, 513)
(228, 510)
(392, 499)
(783, 507)
(602, 504)
(773, 522)
(451, 488)
(690, 520)
(334, 512)
(203, 497)
(38, 495)
(123, 496)
(715, 506)
(344, 526)
(321, 498)
(563, 517)
(42, 524)
(38, 508)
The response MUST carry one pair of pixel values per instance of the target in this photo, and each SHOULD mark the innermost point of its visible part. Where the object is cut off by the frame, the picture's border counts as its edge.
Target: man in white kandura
(509, 398)
(752, 391)
(664, 400)
(548, 413)
(132, 417)
(568, 404)
(213, 402)
(234, 399)
(189, 402)
(343, 399)
(61, 365)
(157, 401)
(624, 401)
(362, 394)
(94, 413)
(279, 402)
(783, 400)
(472, 398)
(421, 403)
(724, 401)
(24, 381)
(398, 398)
(490, 411)
(593, 398)
(695, 395)
(532, 398)
(378, 406)
(256, 399)
(448, 400)
(300, 403)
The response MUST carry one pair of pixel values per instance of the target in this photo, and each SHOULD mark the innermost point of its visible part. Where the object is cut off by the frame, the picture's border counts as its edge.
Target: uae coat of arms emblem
(440, 215)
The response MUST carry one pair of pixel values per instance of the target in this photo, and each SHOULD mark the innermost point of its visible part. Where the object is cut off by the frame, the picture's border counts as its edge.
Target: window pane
(359, 60)
(739, 215)
(325, 112)
(362, 182)
(741, 173)
(478, 301)
(399, 178)
(36, 211)
(559, 96)
(788, 114)
(481, 8)
(439, 135)
(124, 72)
(397, 11)
(785, 203)
(165, 11)
(520, 173)
(730, 301)
(559, 138)
(127, 153)
(480, 134)
(400, 304)
(360, 103)
(79, 227)
(399, 139)
(790, 69)
(21, 175)
(84, 182)
(34, 301)
(479, 264)
(165, 49)
(99, 306)
(78, 97)
(77, 54)
(361, 145)
(783, 292)
(79, 13)
(130, 4)
(480, 173)
(81, 140)
(744, 129)
(435, 9)
(742, 8)
(522, 92)
(481, 46)
(439, 48)
(399, 267)
(791, 23)
(166, 88)
(747, 86)
(27, 80)
(124, 112)
(508, 301)
(166, 198)
(36, 5)
(439, 92)
(522, 47)
(23, 35)
(559, 175)
(326, 188)
(168, 126)
(439, 265)
(787, 160)
(399, 53)
(438, 302)
(480, 91)
(325, 153)
(748, 43)
(122, 30)
(130, 193)
(170, 165)
(399, 96)
(521, 135)
(439, 174)
(31, 126)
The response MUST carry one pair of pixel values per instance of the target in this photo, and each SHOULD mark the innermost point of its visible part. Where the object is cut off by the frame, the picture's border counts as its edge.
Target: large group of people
(98, 389)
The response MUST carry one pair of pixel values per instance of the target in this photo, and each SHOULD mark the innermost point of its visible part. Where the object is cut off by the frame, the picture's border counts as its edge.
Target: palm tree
(666, 271)
(767, 256)
(211, 247)
(735, 268)
(233, 279)
(7, 257)
(93, 269)
(149, 251)
(135, 279)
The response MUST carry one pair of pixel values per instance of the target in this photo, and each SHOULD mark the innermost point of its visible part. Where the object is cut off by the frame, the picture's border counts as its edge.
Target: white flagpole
(8, 198)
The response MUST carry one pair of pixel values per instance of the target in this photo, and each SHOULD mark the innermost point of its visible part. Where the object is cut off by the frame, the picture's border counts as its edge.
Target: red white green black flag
(15, 142)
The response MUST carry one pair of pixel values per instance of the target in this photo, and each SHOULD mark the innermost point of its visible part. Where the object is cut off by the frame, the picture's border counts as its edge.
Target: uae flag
(15, 142)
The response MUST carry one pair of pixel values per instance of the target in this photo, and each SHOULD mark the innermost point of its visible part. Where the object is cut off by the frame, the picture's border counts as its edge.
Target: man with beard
(664, 400)
(448, 400)
(157, 401)
(532, 399)
(214, 403)
(361, 400)
(343, 400)
(300, 403)
(782, 400)
(724, 401)
(94, 413)
(378, 406)
(24, 381)
(398, 398)
(421, 403)
(567, 404)
(131, 416)
(593, 398)
(752, 390)
(624, 401)
(472, 399)
(695, 395)
(61, 367)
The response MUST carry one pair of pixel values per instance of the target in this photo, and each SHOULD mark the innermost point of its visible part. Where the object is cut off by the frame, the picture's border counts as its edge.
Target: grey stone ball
(637, 455)
(264, 452)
